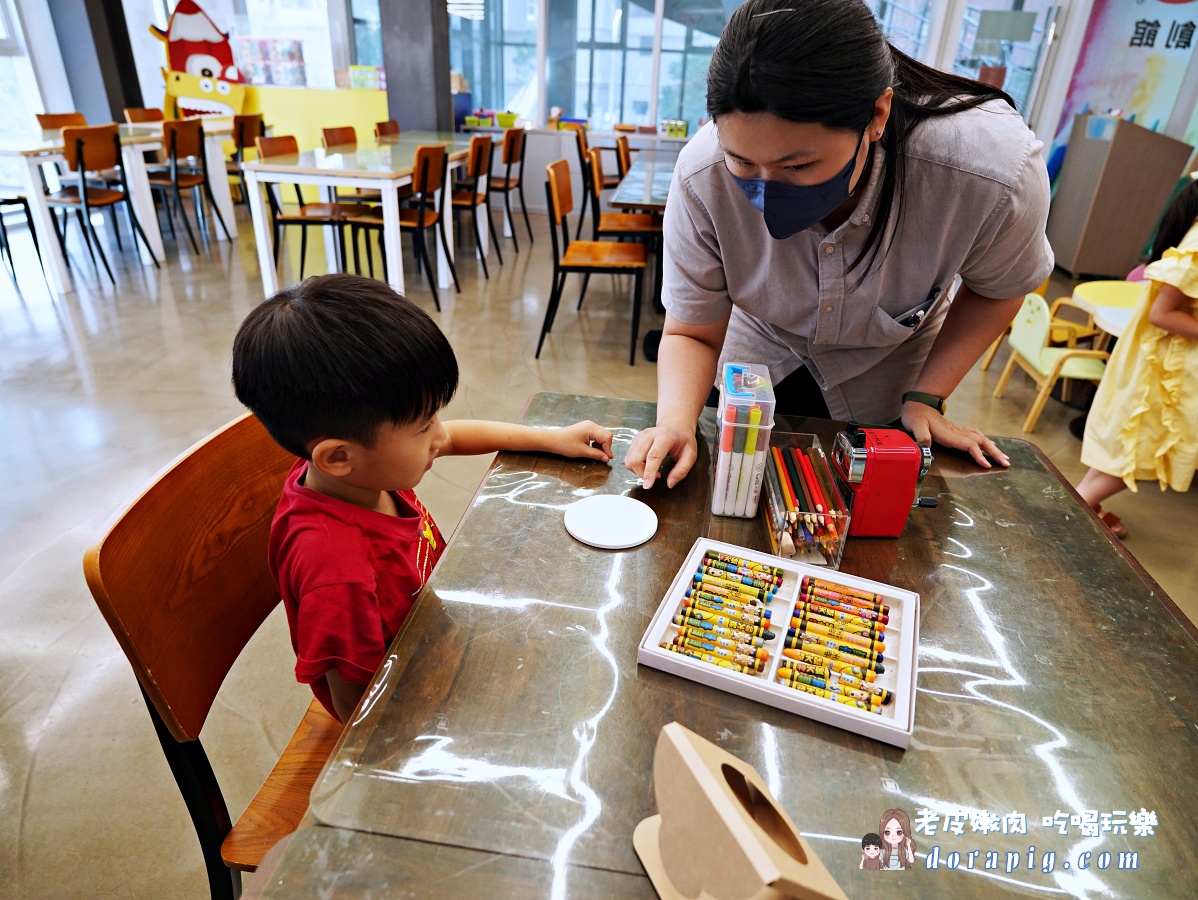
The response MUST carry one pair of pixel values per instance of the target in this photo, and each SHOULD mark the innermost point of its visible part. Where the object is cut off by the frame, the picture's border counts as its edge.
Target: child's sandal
(1112, 522)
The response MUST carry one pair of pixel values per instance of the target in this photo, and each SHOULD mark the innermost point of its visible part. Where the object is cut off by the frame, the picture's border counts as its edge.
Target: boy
(871, 852)
(349, 376)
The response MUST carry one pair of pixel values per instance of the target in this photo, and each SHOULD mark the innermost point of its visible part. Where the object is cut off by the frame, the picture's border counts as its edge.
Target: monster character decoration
(201, 77)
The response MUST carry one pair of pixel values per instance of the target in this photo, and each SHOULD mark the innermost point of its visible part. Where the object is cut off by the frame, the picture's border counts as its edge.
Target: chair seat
(503, 184)
(281, 802)
(629, 223)
(408, 218)
(1063, 331)
(366, 195)
(1085, 368)
(310, 212)
(462, 198)
(611, 181)
(186, 179)
(604, 255)
(96, 196)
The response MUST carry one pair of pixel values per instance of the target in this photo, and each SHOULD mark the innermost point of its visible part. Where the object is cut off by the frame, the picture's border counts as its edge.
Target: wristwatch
(937, 403)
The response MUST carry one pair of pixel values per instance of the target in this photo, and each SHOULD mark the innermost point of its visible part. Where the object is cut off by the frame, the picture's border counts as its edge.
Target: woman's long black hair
(827, 61)
(1176, 221)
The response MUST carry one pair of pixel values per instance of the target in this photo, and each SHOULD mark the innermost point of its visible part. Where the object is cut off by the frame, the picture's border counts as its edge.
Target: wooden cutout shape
(719, 834)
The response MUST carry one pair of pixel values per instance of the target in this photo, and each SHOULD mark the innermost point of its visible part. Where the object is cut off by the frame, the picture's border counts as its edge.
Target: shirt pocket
(885, 330)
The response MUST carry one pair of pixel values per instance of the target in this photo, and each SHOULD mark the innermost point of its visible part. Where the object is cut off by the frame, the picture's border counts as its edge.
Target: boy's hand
(582, 439)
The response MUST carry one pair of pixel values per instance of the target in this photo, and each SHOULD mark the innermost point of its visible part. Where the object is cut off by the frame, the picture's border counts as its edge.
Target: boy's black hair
(337, 356)
(871, 840)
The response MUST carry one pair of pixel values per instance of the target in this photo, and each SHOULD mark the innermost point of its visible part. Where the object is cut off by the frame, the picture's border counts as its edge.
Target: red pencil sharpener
(881, 470)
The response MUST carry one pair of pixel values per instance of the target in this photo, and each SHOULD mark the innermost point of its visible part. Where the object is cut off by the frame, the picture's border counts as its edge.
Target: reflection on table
(511, 718)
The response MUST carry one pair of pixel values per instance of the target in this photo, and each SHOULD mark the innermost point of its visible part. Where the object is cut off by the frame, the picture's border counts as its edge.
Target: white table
(1111, 303)
(1112, 319)
(384, 166)
(48, 148)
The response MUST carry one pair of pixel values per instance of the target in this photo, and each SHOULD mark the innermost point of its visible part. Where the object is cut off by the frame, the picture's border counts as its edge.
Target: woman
(817, 224)
(898, 847)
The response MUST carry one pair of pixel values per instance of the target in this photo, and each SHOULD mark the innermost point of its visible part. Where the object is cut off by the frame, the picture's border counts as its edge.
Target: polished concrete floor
(103, 387)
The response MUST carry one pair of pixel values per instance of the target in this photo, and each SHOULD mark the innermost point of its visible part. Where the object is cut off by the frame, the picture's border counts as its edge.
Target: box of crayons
(832, 647)
(805, 515)
(745, 418)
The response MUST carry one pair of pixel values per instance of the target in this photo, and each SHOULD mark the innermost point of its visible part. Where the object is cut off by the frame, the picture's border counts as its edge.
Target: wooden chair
(135, 115)
(1064, 331)
(429, 173)
(1030, 333)
(246, 129)
(585, 257)
(181, 578)
(580, 136)
(108, 178)
(5, 245)
(623, 155)
(347, 137)
(512, 157)
(305, 214)
(50, 121)
(187, 170)
(466, 194)
(644, 227)
(95, 148)
(388, 129)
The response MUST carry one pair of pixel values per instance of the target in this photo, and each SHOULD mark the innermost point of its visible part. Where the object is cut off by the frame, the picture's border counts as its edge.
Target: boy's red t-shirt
(348, 577)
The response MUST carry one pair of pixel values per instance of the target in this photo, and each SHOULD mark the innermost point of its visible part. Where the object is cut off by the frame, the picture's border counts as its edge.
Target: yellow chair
(1030, 334)
(1064, 331)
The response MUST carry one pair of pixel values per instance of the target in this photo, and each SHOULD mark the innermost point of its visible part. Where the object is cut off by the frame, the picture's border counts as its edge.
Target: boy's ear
(333, 457)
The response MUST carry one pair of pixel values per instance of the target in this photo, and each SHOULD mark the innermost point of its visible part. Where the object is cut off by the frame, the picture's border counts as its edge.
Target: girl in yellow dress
(1144, 421)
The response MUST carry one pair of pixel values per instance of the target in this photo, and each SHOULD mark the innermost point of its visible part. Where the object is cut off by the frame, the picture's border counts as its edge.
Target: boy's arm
(472, 437)
(346, 694)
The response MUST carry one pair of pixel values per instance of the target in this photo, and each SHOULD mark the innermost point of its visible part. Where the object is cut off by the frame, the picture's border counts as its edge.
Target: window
(906, 23)
(368, 33)
(16, 84)
(686, 48)
(493, 43)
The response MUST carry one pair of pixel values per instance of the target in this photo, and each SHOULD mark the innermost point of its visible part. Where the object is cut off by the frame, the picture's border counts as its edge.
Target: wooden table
(1110, 302)
(383, 165)
(646, 186)
(46, 148)
(510, 726)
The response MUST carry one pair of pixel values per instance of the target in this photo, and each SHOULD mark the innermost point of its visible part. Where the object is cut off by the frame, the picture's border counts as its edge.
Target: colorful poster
(1134, 59)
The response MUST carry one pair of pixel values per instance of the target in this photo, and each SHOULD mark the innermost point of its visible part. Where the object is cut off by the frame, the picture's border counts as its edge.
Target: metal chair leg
(548, 323)
(448, 257)
(369, 253)
(186, 224)
(586, 280)
(86, 237)
(491, 227)
(523, 208)
(507, 209)
(638, 284)
(428, 266)
(303, 249)
(353, 238)
(138, 232)
(478, 242)
(216, 209)
(116, 228)
(99, 248)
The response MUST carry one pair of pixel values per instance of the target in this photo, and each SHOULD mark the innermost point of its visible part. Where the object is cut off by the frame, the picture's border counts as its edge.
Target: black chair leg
(216, 209)
(86, 237)
(507, 210)
(245, 189)
(99, 249)
(5, 247)
(186, 224)
(383, 256)
(449, 258)
(138, 232)
(116, 228)
(491, 228)
(561, 289)
(636, 314)
(369, 254)
(354, 235)
(170, 214)
(586, 280)
(428, 268)
(303, 249)
(278, 230)
(582, 212)
(547, 324)
(524, 209)
(478, 242)
(60, 232)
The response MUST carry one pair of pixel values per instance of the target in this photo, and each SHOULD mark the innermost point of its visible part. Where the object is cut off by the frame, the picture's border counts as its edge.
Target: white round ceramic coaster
(611, 521)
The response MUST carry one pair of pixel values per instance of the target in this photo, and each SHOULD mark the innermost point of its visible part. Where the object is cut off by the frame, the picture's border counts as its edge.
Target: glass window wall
(494, 45)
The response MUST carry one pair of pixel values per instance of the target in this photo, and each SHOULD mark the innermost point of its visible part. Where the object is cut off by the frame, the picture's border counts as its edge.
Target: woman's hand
(650, 448)
(927, 425)
(910, 852)
(582, 439)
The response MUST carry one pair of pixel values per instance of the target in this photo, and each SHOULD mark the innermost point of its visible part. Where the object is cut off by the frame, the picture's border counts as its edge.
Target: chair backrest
(479, 162)
(390, 128)
(595, 160)
(513, 146)
(182, 577)
(623, 155)
(561, 192)
(283, 145)
(96, 144)
(428, 168)
(61, 120)
(1030, 328)
(580, 136)
(184, 138)
(246, 129)
(345, 136)
(135, 114)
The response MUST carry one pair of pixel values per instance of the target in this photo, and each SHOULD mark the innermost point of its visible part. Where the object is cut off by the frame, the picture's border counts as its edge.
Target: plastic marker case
(745, 419)
(894, 721)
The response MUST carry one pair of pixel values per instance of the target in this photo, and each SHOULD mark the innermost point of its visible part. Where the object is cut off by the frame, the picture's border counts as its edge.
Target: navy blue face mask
(791, 208)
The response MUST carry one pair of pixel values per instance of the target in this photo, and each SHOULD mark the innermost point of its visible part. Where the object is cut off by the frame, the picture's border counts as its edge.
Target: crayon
(863, 671)
(749, 617)
(819, 632)
(832, 687)
(708, 658)
(825, 653)
(729, 619)
(839, 698)
(759, 583)
(719, 591)
(831, 614)
(829, 646)
(724, 460)
(722, 600)
(835, 627)
(843, 599)
(742, 570)
(748, 645)
(791, 670)
(702, 618)
(744, 563)
(839, 606)
(847, 591)
(719, 633)
(860, 685)
(724, 583)
(741, 659)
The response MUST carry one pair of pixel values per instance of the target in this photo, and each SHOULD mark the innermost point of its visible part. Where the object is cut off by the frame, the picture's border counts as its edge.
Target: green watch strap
(937, 403)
